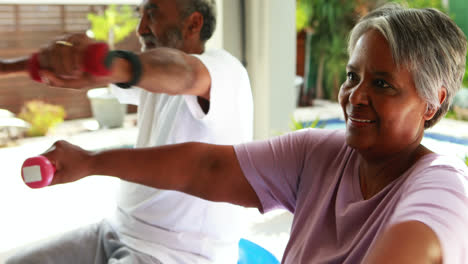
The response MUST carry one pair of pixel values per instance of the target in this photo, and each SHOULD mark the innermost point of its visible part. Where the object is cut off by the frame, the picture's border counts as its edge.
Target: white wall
(232, 27)
(271, 57)
(216, 41)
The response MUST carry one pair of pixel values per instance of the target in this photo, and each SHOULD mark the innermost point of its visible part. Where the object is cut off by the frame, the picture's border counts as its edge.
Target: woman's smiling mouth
(361, 120)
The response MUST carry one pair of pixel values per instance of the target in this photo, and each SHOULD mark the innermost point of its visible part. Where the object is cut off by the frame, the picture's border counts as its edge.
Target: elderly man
(184, 93)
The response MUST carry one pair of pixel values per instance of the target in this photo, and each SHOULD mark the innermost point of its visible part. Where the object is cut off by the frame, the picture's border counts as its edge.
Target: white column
(216, 41)
(271, 57)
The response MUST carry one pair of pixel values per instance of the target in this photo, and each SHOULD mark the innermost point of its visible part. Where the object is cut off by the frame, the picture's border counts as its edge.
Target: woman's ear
(431, 112)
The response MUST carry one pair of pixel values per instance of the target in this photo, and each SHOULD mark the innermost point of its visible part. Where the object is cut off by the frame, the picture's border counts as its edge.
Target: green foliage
(330, 23)
(296, 125)
(303, 13)
(422, 4)
(450, 114)
(41, 116)
(466, 160)
(465, 77)
(114, 25)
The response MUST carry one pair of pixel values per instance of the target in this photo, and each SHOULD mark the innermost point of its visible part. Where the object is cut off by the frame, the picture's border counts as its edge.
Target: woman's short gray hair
(207, 8)
(425, 41)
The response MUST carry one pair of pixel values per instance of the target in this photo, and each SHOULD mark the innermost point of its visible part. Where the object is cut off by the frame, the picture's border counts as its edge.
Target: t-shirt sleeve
(438, 197)
(274, 167)
(229, 85)
(126, 96)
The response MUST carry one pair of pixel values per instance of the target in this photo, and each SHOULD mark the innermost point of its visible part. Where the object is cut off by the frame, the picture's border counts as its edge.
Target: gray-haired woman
(371, 194)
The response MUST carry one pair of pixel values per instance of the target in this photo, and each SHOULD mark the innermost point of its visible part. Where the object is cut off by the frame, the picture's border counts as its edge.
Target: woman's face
(383, 112)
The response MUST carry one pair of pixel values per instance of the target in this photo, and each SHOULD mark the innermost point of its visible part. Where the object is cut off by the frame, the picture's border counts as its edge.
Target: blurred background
(295, 54)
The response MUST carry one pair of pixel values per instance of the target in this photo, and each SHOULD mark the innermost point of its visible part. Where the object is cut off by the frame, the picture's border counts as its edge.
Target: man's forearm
(14, 66)
(166, 71)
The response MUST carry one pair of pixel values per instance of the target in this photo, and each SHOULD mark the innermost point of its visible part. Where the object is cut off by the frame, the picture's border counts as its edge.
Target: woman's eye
(382, 84)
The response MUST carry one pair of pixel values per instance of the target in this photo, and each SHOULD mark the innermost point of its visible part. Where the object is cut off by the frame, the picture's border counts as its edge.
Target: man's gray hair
(207, 8)
(425, 41)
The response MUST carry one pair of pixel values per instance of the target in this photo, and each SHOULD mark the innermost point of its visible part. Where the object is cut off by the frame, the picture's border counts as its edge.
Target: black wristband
(135, 63)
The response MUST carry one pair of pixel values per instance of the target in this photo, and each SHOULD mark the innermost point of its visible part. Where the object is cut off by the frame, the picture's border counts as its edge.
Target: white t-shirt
(172, 226)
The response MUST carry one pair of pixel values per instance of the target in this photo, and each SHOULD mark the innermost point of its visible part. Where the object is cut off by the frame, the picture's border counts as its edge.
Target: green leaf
(119, 19)
(41, 116)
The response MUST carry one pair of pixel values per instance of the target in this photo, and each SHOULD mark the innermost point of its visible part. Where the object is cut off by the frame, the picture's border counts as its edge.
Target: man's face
(160, 25)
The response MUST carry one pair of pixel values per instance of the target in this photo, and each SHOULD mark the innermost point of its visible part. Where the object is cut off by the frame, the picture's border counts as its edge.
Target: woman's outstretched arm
(211, 172)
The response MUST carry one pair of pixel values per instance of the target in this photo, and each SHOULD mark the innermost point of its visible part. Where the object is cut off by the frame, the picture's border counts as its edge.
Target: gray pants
(95, 244)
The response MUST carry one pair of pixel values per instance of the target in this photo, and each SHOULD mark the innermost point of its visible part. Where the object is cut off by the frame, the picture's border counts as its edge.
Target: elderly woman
(370, 194)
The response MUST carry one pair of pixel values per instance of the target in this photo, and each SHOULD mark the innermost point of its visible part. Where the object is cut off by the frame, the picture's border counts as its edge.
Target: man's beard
(172, 38)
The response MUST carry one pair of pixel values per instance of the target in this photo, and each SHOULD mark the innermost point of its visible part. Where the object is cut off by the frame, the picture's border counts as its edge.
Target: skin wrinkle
(161, 58)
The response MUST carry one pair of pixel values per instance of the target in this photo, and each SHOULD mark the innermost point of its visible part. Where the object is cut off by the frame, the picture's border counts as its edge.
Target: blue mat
(251, 253)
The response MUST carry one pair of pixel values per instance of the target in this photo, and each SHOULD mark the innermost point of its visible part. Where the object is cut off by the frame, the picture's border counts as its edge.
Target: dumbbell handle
(37, 172)
(93, 61)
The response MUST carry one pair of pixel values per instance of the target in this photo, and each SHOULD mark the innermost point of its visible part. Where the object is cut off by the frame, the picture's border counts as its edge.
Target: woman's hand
(211, 172)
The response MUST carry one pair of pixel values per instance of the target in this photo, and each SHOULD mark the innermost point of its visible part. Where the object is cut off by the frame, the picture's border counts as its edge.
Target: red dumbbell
(93, 61)
(37, 172)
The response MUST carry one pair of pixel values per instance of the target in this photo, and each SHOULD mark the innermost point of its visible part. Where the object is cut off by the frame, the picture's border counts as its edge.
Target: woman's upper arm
(410, 242)
(262, 174)
(433, 208)
(223, 179)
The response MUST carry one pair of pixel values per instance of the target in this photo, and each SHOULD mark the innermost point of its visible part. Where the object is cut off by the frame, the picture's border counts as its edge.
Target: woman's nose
(359, 95)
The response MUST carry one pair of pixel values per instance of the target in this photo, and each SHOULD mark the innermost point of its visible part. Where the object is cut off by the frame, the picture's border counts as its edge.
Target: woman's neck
(376, 174)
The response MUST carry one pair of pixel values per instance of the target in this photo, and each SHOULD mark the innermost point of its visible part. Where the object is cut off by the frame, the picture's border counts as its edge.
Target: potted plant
(330, 22)
(112, 26)
(41, 116)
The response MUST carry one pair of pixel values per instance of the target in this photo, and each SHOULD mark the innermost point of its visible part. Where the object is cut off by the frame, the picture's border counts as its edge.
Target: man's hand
(71, 162)
(62, 64)
(85, 81)
(65, 56)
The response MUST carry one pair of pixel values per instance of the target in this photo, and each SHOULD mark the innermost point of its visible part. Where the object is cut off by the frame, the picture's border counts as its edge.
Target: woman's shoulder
(319, 134)
(438, 171)
(439, 162)
(316, 142)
